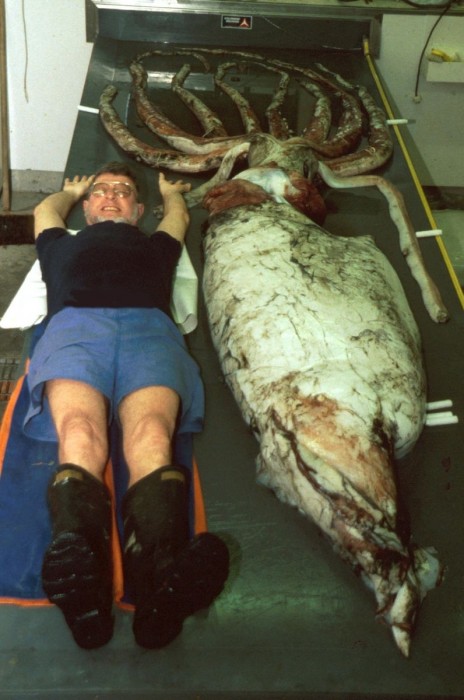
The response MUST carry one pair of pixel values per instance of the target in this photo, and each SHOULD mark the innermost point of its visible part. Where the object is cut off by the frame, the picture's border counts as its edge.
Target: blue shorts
(117, 351)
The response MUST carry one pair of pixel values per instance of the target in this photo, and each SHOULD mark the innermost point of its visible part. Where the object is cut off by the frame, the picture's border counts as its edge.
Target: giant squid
(314, 332)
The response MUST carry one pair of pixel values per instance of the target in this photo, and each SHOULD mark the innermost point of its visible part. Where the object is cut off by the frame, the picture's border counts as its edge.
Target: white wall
(42, 122)
(47, 63)
(437, 121)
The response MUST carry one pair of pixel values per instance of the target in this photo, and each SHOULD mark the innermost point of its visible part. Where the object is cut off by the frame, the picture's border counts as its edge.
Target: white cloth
(29, 305)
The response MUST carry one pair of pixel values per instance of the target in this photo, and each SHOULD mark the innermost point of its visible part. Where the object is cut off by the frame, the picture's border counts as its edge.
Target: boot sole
(191, 583)
(73, 579)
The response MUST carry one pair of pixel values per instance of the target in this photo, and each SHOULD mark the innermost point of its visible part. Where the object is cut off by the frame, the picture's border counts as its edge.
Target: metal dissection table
(293, 622)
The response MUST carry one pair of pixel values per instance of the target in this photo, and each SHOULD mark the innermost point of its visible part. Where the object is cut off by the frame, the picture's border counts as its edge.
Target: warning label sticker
(236, 22)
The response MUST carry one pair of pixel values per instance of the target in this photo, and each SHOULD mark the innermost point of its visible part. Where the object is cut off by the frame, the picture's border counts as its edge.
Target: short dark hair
(118, 168)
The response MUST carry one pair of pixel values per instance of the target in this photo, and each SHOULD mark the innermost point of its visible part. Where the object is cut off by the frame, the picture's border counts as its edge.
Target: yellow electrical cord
(441, 54)
(440, 243)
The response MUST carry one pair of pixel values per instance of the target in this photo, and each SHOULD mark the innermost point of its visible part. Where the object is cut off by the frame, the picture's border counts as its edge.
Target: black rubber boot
(77, 571)
(168, 575)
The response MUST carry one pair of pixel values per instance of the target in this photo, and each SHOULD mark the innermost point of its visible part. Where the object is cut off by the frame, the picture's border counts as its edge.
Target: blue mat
(25, 472)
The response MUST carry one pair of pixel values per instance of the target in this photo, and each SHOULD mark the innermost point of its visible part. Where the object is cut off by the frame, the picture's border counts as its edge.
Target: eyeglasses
(122, 190)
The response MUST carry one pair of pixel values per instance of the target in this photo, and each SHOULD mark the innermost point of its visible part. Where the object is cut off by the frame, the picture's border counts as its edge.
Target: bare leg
(79, 413)
(77, 567)
(168, 575)
(148, 418)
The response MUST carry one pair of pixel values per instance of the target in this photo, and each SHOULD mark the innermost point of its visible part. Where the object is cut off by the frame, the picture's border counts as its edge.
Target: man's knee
(79, 412)
(79, 424)
(153, 428)
(83, 440)
(149, 415)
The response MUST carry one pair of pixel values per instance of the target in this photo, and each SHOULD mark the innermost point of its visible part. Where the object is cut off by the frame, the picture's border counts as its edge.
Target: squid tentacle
(408, 240)
(334, 151)
(195, 196)
(249, 118)
(210, 121)
(154, 157)
(163, 127)
(349, 130)
(380, 147)
(278, 126)
(198, 54)
(318, 128)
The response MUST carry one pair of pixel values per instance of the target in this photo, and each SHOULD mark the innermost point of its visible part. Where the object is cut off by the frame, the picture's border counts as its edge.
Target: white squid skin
(321, 351)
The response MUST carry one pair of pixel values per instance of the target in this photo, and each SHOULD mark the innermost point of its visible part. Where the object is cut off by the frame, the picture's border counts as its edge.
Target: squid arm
(163, 127)
(249, 119)
(380, 146)
(209, 120)
(195, 196)
(154, 157)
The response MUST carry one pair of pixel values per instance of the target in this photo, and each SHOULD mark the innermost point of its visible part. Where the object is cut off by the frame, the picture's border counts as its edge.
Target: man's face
(112, 198)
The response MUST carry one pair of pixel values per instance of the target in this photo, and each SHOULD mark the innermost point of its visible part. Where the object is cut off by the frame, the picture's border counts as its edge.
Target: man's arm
(54, 209)
(176, 217)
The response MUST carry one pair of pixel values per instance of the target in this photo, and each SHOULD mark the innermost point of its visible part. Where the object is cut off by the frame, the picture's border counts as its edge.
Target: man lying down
(110, 349)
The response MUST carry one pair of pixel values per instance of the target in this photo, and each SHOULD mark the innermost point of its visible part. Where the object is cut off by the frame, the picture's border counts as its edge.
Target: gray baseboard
(36, 181)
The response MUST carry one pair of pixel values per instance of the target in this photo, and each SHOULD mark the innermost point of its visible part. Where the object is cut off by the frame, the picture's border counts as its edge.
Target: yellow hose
(425, 204)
